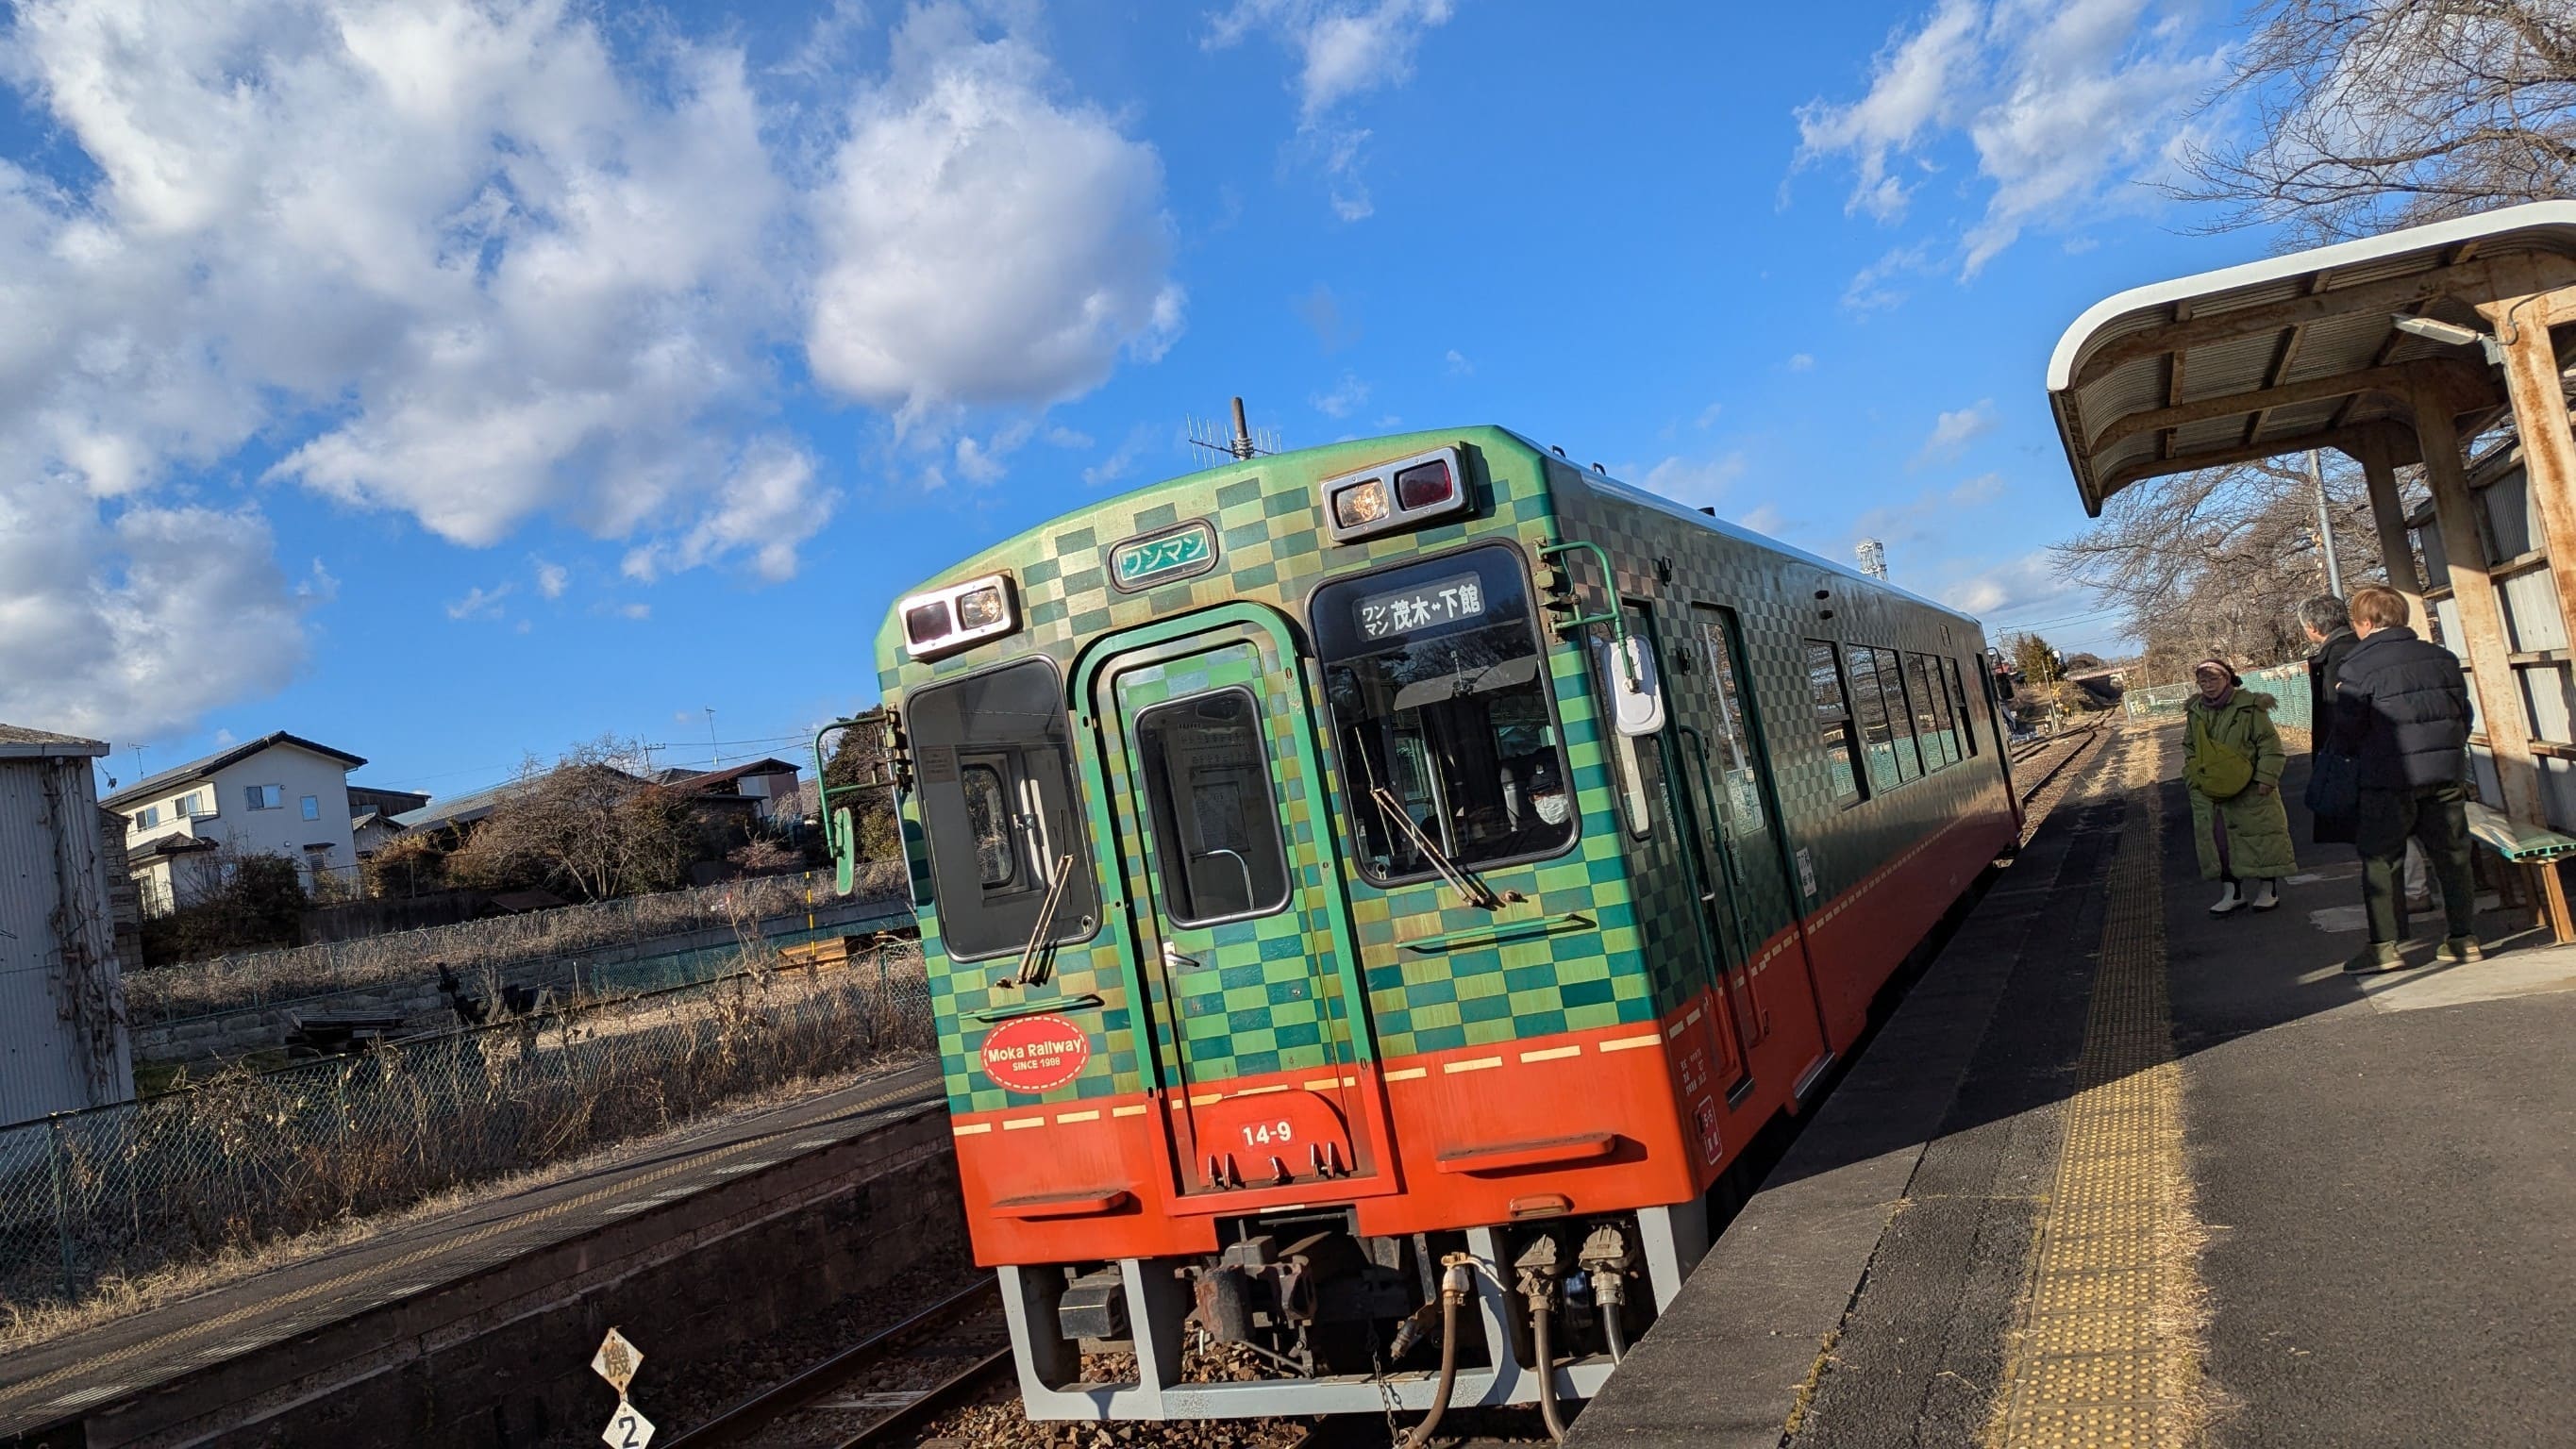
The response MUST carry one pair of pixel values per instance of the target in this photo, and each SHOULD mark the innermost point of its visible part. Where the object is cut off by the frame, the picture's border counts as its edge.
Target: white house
(279, 794)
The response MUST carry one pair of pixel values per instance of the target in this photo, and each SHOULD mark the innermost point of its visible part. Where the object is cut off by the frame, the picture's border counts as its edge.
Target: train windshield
(1439, 693)
(993, 768)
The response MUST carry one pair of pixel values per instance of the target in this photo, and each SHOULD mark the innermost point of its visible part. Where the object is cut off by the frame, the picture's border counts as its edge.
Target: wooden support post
(2540, 421)
(2549, 472)
(2499, 693)
(2388, 511)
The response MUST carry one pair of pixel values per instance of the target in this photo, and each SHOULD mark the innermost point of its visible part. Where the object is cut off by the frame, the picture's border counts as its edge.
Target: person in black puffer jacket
(2402, 715)
(2329, 627)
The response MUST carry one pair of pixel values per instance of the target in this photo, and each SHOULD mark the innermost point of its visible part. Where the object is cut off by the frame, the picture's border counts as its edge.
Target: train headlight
(1361, 506)
(1401, 493)
(945, 620)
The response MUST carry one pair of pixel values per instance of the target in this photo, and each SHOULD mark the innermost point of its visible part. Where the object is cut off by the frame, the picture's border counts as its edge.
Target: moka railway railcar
(1371, 894)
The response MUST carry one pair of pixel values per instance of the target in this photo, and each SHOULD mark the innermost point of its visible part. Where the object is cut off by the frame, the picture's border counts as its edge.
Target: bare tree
(2371, 114)
(586, 824)
(2216, 561)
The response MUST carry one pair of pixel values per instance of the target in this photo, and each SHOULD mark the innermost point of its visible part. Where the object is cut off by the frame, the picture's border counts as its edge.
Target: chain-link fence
(2286, 683)
(246, 1160)
(260, 978)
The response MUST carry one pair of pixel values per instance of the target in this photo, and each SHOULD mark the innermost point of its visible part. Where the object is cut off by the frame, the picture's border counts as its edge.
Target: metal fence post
(62, 1201)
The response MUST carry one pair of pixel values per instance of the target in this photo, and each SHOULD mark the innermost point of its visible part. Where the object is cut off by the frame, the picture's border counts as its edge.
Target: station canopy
(2293, 352)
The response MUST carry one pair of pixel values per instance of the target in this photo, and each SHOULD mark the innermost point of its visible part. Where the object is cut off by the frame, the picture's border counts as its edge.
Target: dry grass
(229, 1170)
(222, 983)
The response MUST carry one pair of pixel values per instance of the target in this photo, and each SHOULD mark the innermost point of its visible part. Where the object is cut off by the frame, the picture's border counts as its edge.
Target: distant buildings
(280, 794)
(63, 1042)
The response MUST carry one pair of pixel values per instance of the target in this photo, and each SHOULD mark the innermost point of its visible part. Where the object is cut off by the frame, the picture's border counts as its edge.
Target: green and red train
(1372, 894)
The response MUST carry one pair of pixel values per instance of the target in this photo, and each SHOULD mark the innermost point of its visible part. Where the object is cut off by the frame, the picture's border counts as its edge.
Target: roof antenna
(1242, 444)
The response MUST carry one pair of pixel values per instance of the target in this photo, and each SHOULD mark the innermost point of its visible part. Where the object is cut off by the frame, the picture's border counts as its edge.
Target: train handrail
(1613, 616)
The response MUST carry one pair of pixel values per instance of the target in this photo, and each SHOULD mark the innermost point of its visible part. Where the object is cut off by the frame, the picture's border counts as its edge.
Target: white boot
(2267, 894)
(2229, 902)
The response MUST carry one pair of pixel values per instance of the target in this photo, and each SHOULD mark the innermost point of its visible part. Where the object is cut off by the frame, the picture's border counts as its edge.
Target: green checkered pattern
(1263, 995)
(1772, 591)
(1270, 994)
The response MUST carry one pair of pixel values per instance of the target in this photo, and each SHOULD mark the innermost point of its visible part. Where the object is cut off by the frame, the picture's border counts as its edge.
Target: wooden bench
(2534, 851)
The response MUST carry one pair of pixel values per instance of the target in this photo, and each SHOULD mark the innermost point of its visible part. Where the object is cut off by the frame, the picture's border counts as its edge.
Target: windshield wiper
(1470, 891)
(1034, 962)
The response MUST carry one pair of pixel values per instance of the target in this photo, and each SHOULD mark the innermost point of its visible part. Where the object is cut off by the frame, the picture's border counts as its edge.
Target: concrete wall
(500, 1358)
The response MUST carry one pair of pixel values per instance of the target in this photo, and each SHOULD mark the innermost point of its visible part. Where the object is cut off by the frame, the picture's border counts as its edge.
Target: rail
(743, 1420)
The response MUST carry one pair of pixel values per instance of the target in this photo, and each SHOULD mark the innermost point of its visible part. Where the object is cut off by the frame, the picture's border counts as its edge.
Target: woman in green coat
(2232, 765)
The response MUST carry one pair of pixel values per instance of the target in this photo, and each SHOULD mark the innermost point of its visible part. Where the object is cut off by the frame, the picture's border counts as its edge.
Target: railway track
(940, 1357)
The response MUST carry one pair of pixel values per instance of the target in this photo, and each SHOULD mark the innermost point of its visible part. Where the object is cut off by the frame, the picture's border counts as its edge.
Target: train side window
(1869, 707)
(994, 774)
(1931, 713)
(1745, 816)
(1959, 707)
(1834, 721)
(1217, 849)
(1900, 719)
(1640, 771)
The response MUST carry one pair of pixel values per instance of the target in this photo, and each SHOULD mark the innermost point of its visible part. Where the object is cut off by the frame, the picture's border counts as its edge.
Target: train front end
(1297, 1038)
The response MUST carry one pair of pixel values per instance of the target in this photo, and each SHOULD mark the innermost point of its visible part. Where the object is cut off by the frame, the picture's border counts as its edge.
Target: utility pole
(714, 761)
(2325, 524)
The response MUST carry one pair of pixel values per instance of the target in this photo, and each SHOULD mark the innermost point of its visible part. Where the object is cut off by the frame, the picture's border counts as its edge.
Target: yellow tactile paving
(2106, 1345)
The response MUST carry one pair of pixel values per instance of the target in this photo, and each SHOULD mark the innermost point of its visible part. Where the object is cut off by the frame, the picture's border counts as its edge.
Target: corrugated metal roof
(17, 742)
(2111, 367)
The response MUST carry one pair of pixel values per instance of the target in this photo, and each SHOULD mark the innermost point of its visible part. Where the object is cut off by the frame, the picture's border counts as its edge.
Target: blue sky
(447, 383)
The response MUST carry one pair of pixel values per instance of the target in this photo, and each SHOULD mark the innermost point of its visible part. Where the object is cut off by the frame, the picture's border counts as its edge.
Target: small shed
(63, 1040)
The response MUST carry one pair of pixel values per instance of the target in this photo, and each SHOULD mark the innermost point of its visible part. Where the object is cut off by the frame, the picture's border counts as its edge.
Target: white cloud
(131, 625)
(1953, 431)
(480, 603)
(1764, 518)
(768, 504)
(1121, 460)
(1459, 366)
(1698, 482)
(984, 242)
(1800, 362)
(1873, 288)
(1345, 49)
(1984, 488)
(1349, 393)
(2062, 101)
(1708, 415)
(480, 263)
(638, 612)
(2018, 592)
(552, 578)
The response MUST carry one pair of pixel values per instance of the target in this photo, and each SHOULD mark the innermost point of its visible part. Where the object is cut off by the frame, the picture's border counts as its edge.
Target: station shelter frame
(2305, 351)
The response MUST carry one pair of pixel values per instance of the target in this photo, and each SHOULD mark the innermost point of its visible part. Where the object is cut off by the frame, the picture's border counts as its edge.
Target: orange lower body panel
(1583, 1122)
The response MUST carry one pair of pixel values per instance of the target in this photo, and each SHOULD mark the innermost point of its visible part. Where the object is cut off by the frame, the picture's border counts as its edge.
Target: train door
(1667, 758)
(1731, 768)
(1241, 921)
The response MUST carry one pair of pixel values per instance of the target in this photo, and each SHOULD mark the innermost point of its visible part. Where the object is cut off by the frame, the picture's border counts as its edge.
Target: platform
(2118, 1172)
(225, 1357)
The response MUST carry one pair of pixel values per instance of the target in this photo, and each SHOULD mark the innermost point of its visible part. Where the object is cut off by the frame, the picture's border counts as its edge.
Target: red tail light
(1424, 485)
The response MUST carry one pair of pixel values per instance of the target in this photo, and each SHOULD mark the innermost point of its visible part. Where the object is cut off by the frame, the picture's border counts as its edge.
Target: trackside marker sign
(1035, 1054)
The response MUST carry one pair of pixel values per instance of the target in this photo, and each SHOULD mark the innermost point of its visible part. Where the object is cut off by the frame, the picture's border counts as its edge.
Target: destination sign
(1441, 601)
(1175, 554)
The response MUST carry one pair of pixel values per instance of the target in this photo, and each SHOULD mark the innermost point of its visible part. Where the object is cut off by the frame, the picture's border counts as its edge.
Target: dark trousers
(2432, 815)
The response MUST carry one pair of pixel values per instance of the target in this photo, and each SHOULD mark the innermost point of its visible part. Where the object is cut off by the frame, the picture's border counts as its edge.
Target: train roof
(1358, 450)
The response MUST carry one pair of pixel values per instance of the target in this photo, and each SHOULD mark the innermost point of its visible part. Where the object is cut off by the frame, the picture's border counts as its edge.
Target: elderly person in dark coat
(2329, 628)
(2402, 714)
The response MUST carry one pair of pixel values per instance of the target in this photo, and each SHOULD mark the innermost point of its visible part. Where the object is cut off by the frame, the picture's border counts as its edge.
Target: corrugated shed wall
(63, 1041)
